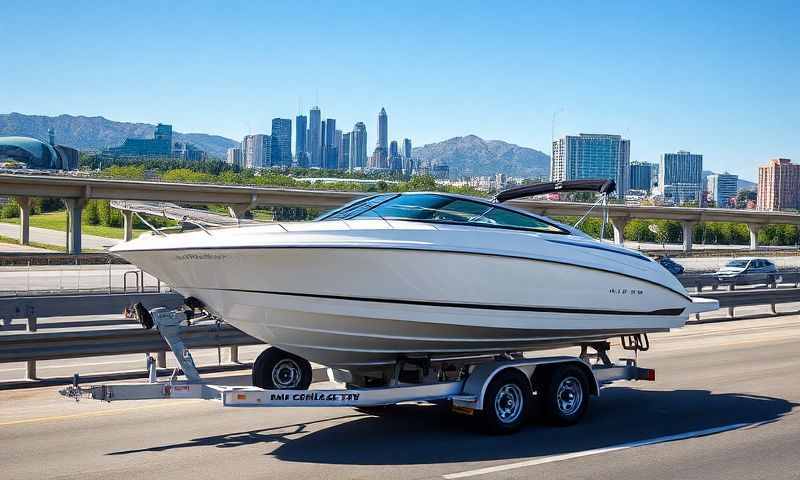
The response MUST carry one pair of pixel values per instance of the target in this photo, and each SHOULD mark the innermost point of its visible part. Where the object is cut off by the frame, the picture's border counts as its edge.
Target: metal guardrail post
(31, 324)
(730, 312)
(30, 370)
(234, 354)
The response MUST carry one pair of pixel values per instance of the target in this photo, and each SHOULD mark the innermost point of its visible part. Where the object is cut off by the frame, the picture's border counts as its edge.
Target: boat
(417, 277)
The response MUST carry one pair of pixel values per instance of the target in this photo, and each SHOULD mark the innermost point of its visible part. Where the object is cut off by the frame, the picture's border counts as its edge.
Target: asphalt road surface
(722, 408)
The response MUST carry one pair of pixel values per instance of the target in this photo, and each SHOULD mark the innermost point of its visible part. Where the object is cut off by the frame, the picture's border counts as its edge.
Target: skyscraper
(778, 185)
(281, 142)
(358, 157)
(407, 148)
(393, 149)
(300, 126)
(641, 177)
(722, 187)
(344, 152)
(592, 156)
(315, 137)
(680, 176)
(381, 153)
(257, 151)
(330, 157)
(395, 160)
(234, 157)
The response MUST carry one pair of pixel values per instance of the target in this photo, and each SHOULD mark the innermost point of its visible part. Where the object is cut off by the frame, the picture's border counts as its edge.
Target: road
(56, 237)
(739, 379)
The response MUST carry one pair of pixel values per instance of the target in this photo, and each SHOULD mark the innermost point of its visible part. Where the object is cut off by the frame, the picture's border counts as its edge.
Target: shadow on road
(412, 434)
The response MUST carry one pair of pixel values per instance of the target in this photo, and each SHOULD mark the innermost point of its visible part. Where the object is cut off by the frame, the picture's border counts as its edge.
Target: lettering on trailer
(315, 397)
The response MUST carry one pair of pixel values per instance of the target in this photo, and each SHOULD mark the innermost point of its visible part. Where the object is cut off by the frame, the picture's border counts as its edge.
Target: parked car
(749, 271)
(671, 265)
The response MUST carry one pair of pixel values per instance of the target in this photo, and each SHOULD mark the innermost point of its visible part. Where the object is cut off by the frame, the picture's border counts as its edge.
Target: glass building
(358, 146)
(314, 137)
(281, 142)
(594, 156)
(300, 126)
(722, 187)
(680, 177)
(36, 154)
(160, 144)
(641, 176)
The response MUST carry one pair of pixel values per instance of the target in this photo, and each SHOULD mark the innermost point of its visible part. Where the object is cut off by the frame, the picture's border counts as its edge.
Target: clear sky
(717, 78)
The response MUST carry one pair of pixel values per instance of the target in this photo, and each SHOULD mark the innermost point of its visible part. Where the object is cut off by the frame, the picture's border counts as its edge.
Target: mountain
(472, 155)
(96, 133)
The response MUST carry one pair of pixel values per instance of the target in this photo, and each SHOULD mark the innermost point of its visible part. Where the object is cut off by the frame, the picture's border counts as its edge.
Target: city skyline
(670, 86)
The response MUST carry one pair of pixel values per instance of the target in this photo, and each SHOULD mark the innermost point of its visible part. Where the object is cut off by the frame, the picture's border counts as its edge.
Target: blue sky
(718, 78)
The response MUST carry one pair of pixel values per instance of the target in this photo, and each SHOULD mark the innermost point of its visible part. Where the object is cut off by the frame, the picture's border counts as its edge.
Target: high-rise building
(358, 142)
(257, 151)
(395, 160)
(406, 148)
(330, 156)
(300, 130)
(394, 151)
(281, 142)
(722, 188)
(778, 185)
(680, 177)
(641, 177)
(234, 157)
(381, 154)
(344, 152)
(315, 137)
(159, 145)
(594, 156)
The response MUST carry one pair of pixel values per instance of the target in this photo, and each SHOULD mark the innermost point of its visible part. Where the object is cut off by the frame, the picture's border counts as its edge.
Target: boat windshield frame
(352, 212)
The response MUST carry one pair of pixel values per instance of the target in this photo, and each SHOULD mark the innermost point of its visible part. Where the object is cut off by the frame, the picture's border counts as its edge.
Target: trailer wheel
(506, 403)
(564, 395)
(275, 369)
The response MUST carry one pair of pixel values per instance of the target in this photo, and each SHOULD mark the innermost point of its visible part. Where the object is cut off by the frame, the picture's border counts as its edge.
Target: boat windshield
(441, 209)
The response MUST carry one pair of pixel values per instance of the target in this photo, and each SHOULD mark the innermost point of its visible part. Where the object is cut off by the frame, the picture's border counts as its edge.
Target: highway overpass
(75, 191)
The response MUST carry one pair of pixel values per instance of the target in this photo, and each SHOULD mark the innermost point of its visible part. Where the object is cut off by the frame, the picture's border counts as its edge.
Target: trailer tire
(506, 403)
(564, 395)
(275, 369)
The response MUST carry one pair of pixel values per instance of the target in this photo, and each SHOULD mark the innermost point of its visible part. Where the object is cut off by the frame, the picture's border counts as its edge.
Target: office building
(315, 137)
(440, 171)
(330, 155)
(300, 130)
(358, 142)
(586, 156)
(407, 148)
(641, 176)
(281, 142)
(159, 145)
(722, 188)
(344, 152)
(257, 151)
(381, 153)
(680, 177)
(234, 157)
(778, 185)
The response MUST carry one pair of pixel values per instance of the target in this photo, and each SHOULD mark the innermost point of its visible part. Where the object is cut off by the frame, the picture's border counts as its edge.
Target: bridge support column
(127, 224)
(24, 220)
(75, 210)
(754, 228)
(618, 224)
(688, 230)
(239, 211)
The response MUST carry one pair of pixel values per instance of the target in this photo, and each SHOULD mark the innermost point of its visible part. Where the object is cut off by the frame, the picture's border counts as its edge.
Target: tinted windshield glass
(443, 208)
(355, 208)
(737, 263)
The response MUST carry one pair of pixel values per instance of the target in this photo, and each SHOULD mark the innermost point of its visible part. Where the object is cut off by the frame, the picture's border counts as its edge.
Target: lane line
(596, 451)
(89, 414)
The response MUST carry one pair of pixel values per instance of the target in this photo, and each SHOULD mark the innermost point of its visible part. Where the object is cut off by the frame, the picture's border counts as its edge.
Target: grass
(46, 246)
(58, 221)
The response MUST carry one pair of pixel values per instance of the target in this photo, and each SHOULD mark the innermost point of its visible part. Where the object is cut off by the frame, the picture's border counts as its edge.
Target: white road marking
(596, 451)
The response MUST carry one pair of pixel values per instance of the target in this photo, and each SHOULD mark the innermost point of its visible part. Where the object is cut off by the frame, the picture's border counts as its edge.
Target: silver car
(749, 271)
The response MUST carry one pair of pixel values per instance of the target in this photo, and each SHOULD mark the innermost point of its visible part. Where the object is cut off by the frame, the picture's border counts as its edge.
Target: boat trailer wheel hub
(286, 374)
(508, 403)
(569, 395)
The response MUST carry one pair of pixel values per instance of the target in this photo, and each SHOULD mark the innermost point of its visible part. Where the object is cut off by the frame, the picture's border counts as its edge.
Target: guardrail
(746, 298)
(699, 281)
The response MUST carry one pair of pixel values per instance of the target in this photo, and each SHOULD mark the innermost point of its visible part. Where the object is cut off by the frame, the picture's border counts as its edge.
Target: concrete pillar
(75, 209)
(618, 224)
(238, 211)
(127, 225)
(754, 229)
(688, 229)
(24, 220)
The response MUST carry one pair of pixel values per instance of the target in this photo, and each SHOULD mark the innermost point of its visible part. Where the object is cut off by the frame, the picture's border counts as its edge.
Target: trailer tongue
(499, 391)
